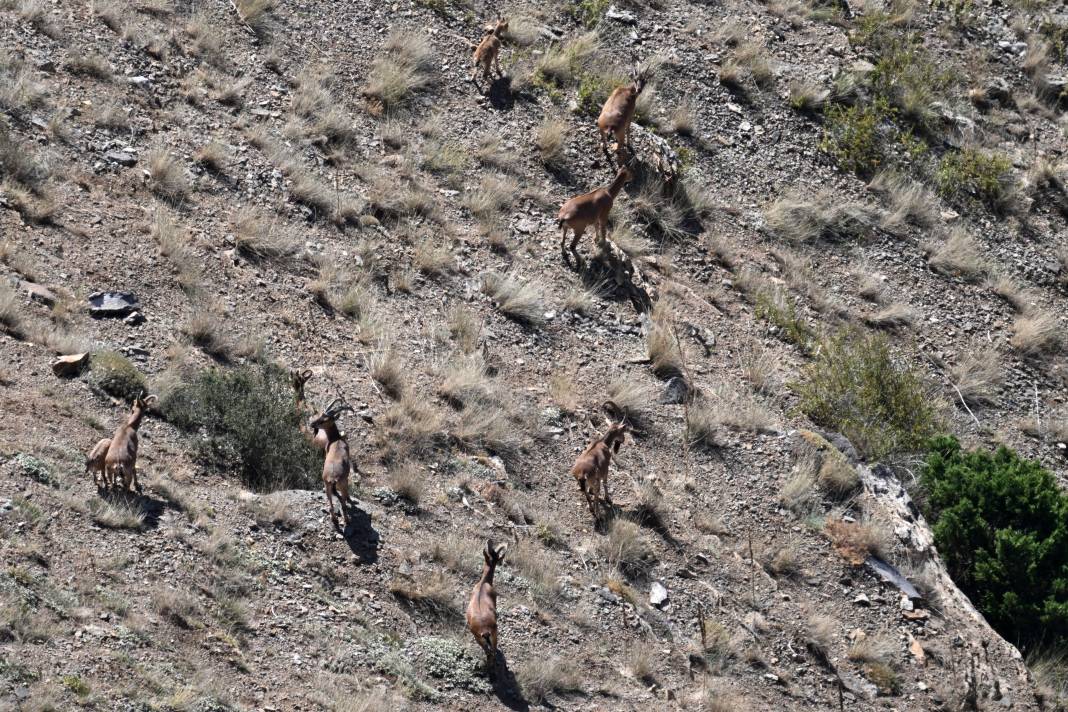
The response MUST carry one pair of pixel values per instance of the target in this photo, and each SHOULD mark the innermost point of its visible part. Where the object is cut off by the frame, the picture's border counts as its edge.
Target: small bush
(113, 374)
(856, 387)
(1000, 522)
(543, 675)
(823, 216)
(627, 547)
(852, 138)
(973, 175)
(250, 424)
(519, 300)
(551, 140)
(405, 65)
(166, 177)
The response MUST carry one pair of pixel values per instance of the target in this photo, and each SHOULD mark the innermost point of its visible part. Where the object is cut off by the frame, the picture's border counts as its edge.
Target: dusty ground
(226, 599)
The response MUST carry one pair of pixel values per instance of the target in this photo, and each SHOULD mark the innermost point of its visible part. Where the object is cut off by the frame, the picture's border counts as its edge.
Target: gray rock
(617, 15)
(134, 319)
(676, 392)
(113, 304)
(122, 158)
(39, 293)
(68, 366)
(862, 600)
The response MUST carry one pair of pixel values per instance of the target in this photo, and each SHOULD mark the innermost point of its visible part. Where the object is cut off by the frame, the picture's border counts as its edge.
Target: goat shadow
(361, 537)
(505, 686)
(151, 509)
(500, 94)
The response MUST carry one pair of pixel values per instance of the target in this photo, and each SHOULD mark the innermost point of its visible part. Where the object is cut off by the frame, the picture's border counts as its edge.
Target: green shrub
(594, 90)
(250, 424)
(113, 374)
(1001, 524)
(972, 174)
(778, 307)
(36, 469)
(856, 387)
(851, 136)
(588, 12)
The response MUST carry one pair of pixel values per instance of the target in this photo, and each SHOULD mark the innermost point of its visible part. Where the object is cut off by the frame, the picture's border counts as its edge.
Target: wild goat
(94, 461)
(488, 52)
(587, 209)
(591, 467)
(618, 112)
(121, 457)
(336, 463)
(482, 608)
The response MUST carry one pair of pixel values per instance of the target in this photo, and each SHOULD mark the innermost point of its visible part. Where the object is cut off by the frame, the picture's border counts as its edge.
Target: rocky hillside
(845, 233)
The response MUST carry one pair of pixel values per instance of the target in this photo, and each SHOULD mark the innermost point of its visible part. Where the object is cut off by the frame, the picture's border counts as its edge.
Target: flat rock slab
(113, 304)
(69, 366)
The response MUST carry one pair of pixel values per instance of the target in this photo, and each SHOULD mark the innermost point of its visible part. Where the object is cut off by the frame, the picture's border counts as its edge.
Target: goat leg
(330, 503)
(497, 62)
(563, 246)
(574, 246)
(136, 482)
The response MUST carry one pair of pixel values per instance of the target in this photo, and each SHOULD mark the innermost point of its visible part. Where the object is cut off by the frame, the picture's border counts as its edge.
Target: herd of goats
(116, 457)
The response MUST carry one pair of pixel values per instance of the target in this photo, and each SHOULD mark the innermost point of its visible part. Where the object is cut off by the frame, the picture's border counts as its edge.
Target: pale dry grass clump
(909, 201)
(893, 317)
(665, 352)
(562, 63)
(258, 237)
(633, 398)
(627, 548)
(118, 511)
(855, 541)
(807, 98)
(411, 427)
(11, 318)
(407, 482)
(551, 141)
(404, 66)
(166, 177)
(959, 256)
(544, 675)
(1037, 333)
(432, 593)
(213, 156)
(494, 194)
(388, 371)
(433, 258)
(563, 391)
(824, 216)
(206, 330)
(520, 300)
(978, 375)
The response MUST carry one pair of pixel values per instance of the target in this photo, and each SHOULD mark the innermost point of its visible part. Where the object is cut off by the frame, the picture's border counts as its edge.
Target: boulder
(70, 366)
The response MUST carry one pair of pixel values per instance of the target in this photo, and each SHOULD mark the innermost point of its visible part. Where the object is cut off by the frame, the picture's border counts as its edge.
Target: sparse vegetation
(542, 676)
(971, 174)
(405, 65)
(857, 387)
(1037, 333)
(113, 374)
(550, 139)
(247, 423)
(824, 216)
(166, 177)
(519, 300)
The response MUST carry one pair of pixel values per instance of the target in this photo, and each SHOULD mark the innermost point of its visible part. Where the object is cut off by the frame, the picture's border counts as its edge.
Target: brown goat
(488, 52)
(94, 462)
(336, 464)
(587, 209)
(482, 608)
(591, 467)
(121, 457)
(618, 112)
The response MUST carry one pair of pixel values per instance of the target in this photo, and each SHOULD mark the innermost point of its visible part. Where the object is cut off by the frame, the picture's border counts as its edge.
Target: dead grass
(551, 141)
(807, 98)
(665, 353)
(213, 156)
(535, 565)
(819, 635)
(457, 553)
(388, 370)
(873, 649)
(429, 592)
(1010, 290)
(405, 65)
(564, 392)
(464, 328)
(1037, 333)
(87, 64)
(517, 299)
(959, 256)
(118, 511)
(494, 194)
(258, 237)
(727, 407)
(855, 541)
(208, 331)
(176, 606)
(542, 675)
(11, 318)
(407, 481)
(780, 560)
(433, 258)
(633, 399)
(627, 548)
(824, 216)
(207, 42)
(978, 375)
(256, 13)
(759, 365)
(562, 63)
(411, 427)
(166, 177)
(893, 317)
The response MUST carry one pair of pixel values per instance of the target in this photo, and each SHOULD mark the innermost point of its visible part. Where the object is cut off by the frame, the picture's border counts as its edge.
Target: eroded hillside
(318, 185)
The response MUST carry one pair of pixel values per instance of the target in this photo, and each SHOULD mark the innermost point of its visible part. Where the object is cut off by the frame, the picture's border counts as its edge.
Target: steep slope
(268, 197)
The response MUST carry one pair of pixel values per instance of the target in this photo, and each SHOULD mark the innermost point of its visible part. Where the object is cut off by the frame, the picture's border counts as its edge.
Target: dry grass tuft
(166, 177)
(212, 156)
(959, 256)
(824, 216)
(517, 299)
(551, 141)
(563, 391)
(87, 64)
(388, 371)
(494, 194)
(10, 312)
(464, 328)
(411, 427)
(855, 541)
(405, 65)
(665, 352)
(431, 593)
(256, 13)
(433, 258)
(627, 548)
(978, 375)
(1037, 333)
(258, 237)
(893, 317)
(407, 481)
(543, 675)
(207, 331)
(633, 399)
(119, 511)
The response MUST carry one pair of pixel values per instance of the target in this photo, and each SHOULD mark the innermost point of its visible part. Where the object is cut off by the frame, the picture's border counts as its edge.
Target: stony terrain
(252, 187)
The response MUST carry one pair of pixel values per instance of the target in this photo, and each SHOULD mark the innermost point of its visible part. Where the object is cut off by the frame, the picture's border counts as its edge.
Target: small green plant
(113, 374)
(1000, 523)
(779, 309)
(594, 90)
(250, 424)
(858, 388)
(972, 174)
(35, 469)
(851, 136)
(588, 12)
(76, 684)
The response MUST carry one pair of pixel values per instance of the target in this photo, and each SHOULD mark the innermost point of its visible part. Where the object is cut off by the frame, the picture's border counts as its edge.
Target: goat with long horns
(337, 464)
